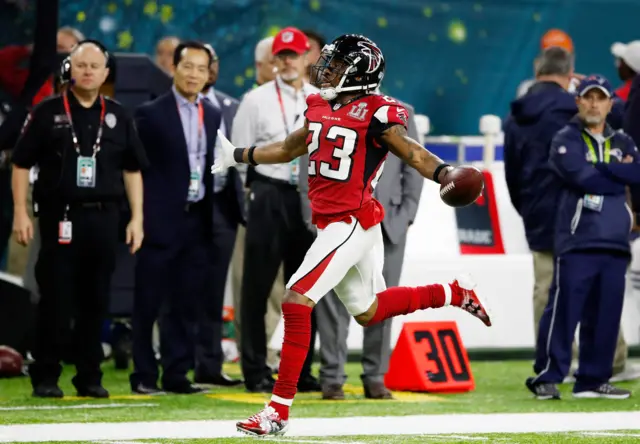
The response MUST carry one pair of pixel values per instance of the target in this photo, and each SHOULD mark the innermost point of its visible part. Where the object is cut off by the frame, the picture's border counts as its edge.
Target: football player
(348, 133)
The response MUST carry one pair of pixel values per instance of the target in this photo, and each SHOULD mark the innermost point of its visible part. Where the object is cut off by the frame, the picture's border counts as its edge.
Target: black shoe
(143, 389)
(377, 390)
(221, 379)
(47, 391)
(93, 391)
(543, 390)
(606, 391)
(183, 389)
(333, 392)
(308, 383)
(263, 386)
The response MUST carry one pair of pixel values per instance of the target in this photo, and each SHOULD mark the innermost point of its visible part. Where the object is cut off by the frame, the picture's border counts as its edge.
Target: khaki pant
(274, 304)
(543, 275)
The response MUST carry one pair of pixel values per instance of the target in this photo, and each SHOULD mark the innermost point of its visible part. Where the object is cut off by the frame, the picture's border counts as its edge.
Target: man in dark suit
(399, 192)
(175, 271)
(208, 358)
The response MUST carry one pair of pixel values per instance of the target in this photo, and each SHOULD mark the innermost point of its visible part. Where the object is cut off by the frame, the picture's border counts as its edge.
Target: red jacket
(623, 91)
(13, 76)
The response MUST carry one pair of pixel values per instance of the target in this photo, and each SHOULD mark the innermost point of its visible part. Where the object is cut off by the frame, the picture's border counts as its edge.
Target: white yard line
(632, 435)
(280, 439)
(123, 442)
(387, 425)
(76, 406)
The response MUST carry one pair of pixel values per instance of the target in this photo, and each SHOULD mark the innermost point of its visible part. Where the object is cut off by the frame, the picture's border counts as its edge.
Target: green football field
(500, 409)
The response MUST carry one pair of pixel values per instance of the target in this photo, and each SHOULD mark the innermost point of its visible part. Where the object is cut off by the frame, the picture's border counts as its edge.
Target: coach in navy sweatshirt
(593, 164)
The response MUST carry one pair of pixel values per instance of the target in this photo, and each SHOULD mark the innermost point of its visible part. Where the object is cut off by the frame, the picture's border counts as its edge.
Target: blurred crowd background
(453, 61)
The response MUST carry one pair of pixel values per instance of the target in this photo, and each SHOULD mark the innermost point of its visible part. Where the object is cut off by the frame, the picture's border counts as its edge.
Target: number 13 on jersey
(344, 142)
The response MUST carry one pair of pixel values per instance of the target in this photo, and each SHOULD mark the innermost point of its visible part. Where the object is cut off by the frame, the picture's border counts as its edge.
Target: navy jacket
(592, 210)
(534, 119)
(166, 181)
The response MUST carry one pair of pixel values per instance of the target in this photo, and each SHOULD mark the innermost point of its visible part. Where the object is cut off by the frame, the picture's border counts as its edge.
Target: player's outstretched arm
(414, 154)
(295, 145)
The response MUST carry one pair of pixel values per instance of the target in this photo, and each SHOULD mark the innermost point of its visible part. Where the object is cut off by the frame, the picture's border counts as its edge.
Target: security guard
(593, 164)
(88, 154)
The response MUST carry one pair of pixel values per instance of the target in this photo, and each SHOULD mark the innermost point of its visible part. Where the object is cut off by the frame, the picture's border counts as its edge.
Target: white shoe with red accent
(264, 423)
(471, 303)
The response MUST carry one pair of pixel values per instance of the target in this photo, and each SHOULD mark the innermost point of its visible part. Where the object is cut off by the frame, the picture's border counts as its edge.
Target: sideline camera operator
(88, 153)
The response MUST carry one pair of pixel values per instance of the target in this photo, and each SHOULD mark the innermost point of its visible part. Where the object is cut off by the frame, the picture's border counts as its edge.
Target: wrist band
(250, 156)
(237, 154)
(437, 171)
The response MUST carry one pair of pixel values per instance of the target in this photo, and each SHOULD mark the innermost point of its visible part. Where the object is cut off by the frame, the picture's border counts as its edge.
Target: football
(10, 362)
(461, 186)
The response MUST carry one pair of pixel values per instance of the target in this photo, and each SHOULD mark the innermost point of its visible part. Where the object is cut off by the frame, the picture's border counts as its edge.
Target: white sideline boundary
(386, 425)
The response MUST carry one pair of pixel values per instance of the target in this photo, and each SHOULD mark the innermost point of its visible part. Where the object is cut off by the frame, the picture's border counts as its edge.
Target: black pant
(588, 288)
(170, 280)
(276, 234)
(208, 352)
(74, 284)
(6, 210)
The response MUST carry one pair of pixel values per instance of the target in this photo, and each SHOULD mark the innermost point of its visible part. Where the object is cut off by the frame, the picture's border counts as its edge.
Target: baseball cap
(556, 37)
(592, 82)
(290, 39)
(629, 52)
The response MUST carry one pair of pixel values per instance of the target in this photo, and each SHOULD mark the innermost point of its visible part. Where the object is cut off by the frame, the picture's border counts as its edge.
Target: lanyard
(592, 151)
(284, 115)
(200, 127)
(76, 145)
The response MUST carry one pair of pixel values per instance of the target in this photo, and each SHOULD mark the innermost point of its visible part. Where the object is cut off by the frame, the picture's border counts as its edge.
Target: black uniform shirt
(47, 141)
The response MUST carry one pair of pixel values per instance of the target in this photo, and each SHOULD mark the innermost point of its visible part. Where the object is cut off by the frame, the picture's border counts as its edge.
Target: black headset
(65, 66)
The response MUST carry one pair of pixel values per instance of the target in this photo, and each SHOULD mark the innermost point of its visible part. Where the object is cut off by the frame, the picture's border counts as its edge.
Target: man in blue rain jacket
(528, 130)
(591, 247)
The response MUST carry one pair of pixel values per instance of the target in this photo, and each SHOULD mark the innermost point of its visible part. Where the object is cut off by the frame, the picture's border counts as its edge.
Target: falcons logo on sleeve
(373, 53)
(402, 115)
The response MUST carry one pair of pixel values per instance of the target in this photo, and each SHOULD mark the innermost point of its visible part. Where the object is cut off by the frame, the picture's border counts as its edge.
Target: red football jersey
(346, 156)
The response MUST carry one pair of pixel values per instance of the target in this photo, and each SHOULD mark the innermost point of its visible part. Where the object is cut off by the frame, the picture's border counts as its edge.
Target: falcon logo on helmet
(373, 53)
(350, 63)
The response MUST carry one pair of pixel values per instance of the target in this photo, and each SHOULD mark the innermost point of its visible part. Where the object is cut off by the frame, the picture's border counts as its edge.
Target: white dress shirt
(260, 120)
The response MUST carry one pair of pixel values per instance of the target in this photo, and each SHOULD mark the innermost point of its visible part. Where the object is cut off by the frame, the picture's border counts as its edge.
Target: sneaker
(543, 390)
(265, 422)
(470, 301)
(606, 391)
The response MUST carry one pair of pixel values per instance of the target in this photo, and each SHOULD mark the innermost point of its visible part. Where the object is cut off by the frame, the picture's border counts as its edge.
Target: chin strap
(328, 93)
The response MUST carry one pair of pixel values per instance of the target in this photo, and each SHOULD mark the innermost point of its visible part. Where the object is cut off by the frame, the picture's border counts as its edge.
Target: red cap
(290, 39)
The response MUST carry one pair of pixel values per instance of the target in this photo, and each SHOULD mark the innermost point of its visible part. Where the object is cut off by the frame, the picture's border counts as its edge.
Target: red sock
(398, 301)
(297, 335)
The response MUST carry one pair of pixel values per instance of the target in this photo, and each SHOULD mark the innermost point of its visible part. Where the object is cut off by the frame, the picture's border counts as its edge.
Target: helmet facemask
(329, 73)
